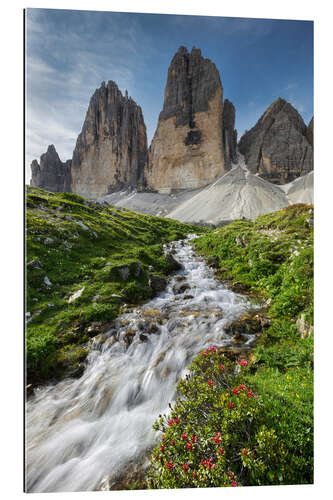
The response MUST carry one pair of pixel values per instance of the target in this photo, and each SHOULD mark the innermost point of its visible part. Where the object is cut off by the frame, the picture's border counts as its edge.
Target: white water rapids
(81, 432)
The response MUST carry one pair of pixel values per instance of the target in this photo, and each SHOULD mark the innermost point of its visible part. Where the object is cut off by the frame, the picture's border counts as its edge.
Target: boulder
(173, 264)
(156, 283)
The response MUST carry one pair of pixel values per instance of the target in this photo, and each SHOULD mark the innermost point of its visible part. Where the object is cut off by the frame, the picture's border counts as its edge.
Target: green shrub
(217, 433)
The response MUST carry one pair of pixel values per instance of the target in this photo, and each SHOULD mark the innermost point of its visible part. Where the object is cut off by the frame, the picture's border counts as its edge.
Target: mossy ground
(81, 244)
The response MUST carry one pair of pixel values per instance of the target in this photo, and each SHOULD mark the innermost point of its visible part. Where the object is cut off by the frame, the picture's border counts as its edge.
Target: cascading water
(80, 432)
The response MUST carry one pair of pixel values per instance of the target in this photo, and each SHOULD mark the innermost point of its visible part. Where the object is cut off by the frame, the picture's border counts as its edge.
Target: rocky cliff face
(309, 132)
(229, 133)
(111, 150)
(51, 173)
(187, 150)
(277, 147)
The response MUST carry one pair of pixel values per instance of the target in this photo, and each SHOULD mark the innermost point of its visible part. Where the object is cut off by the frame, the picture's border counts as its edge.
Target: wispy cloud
(68, 56)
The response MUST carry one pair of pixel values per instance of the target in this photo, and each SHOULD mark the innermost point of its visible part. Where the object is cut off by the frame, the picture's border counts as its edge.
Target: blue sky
(69, 54)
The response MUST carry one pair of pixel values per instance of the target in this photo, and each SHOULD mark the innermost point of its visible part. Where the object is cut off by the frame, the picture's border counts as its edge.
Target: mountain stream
(81, 433)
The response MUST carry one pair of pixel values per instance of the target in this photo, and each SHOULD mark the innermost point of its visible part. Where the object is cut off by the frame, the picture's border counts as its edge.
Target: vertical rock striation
(229, 133)
(51, 173)
(187, 150)
(309, 132)
(111, 150)
(278, 147)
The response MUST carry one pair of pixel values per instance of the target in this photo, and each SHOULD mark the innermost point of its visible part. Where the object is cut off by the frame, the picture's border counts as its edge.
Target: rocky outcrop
(277, 147)
(309, 132)
(111, 150)
(51, 173)
(229, 133)
(187, 150)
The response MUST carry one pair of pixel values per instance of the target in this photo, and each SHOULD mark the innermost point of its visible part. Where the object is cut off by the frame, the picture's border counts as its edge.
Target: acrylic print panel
(169, 212)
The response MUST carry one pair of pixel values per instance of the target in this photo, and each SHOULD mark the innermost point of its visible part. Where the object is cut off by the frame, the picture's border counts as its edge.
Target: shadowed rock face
(309, 132)
(229, 133)
(51, 173)
(187, 150)
(111, 150)
(277, 147)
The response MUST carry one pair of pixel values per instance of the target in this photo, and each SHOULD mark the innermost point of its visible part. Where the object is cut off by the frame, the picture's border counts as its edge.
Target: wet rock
(156, 283)
(99, 340)
(180, 278)
(154, 315)
(34, 264)
(95, 328)
(213, 262)
(143, 337)
(180, 288)
(238, 287)
(29, 389)
(238, 338)
(249, 324)
(174, 265)
(153, 328)
(129, 337)
(188, 297)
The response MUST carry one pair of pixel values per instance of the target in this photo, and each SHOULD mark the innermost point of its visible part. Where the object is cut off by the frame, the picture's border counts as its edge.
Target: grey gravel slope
(236, 195)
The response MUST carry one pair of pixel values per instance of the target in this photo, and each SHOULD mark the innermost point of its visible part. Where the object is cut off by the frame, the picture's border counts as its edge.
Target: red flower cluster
(245, 452)
(162, 448)
(194, 439)
(216, 438)
(221, 451)
(207, 464)
(195, 474)
(169, 465)
(231, 405)
(189, 446)
(234, 483)
(185, 467)
(242, 362)
(250, 394)
(210, 383)
(184, 435)
(207, 351)
(235, 391)
(242, 387)
(174, 421)
(221, 367)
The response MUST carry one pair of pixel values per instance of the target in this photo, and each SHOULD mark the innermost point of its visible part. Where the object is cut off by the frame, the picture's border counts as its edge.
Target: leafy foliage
(217, 433)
